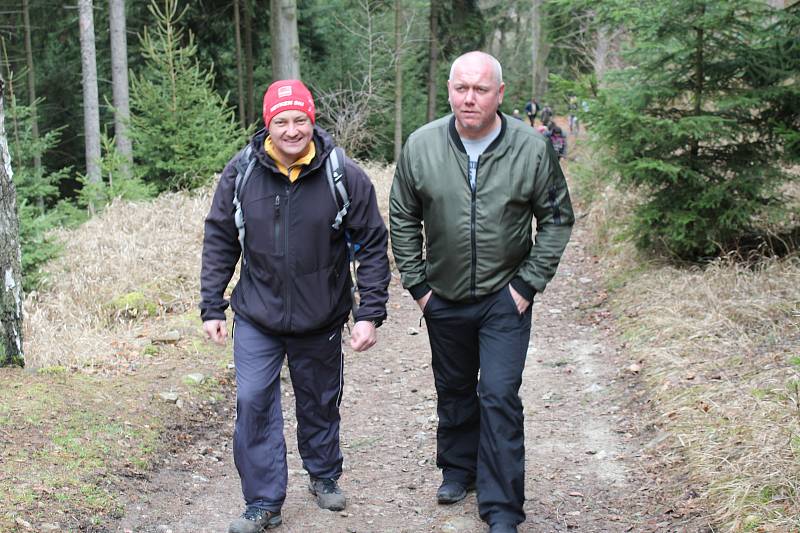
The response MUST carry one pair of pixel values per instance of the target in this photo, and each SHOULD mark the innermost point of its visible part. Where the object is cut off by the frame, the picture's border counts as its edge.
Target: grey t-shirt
(475, 148)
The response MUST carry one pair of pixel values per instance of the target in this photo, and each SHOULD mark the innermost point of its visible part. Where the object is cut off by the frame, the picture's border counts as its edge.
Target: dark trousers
(481, 430)
(259, 448)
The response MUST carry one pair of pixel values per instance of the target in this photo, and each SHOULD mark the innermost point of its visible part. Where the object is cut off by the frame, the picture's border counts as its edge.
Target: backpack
(558, 142)
(334, 171)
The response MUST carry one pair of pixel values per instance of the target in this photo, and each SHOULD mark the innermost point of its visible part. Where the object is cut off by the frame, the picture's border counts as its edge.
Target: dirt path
(583, 470)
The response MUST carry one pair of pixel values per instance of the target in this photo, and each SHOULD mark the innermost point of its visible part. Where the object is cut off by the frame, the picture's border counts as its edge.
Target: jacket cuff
(212, 313)
(524, 290)
(376, 320)
(418, 291)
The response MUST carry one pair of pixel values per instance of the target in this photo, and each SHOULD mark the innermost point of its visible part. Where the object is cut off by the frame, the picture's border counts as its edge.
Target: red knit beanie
(284, 95)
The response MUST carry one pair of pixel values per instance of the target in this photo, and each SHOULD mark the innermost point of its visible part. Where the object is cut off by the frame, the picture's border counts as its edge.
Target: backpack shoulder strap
(334, 170)
(244, 167)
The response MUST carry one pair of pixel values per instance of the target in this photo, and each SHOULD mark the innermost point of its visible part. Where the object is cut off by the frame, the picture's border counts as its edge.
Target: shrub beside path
(586, 470)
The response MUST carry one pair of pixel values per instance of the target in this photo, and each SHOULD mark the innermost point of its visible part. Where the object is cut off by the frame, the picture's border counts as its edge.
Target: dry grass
(381, 176)
(716, 347)
(152, 248)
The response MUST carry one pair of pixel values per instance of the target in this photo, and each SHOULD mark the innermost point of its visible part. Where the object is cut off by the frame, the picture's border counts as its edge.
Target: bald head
(477, 57)
(475, 91)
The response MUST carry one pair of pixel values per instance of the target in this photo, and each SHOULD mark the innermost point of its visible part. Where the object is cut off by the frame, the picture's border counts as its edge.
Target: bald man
(477, 180)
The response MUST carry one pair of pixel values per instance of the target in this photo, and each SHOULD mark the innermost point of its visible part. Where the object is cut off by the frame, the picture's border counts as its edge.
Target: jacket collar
(323, 144)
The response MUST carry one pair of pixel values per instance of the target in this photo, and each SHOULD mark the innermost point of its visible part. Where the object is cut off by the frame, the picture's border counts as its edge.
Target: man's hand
(522, 303)
(363, 336)
(422, 302)
(216, 330)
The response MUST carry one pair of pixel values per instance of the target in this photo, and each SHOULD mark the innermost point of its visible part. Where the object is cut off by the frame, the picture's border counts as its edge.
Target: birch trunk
(285, 44)
(10, 259)
(119, 83)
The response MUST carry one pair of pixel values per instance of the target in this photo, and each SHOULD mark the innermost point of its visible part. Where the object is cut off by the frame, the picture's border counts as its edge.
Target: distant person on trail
(572, 108)
(293, 297)
(531, 108)
(547, 115)
(474, 271)
(516, 114)
(556, 136)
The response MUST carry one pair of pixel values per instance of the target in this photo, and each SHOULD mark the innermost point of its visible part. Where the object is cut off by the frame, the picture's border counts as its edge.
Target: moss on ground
(73, 441)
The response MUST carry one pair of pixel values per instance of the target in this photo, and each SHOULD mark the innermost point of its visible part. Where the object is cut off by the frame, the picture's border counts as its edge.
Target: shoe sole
(273, 522)
(452, 500)
(334, 508)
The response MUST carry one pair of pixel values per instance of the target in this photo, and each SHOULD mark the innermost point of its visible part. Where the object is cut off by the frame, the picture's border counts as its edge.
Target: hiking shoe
(255, 520)
(503, 527)
(452, 492)
(329, 495)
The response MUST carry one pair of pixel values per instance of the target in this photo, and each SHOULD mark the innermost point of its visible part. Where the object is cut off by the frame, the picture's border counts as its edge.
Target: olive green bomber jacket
(477, 243)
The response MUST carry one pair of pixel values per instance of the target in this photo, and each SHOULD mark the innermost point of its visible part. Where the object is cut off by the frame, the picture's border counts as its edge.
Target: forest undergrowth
(717, 347)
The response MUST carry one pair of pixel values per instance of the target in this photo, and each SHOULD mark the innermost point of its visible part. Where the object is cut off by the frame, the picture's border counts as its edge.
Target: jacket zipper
(277, 236)
(473, 243)
(288, 299)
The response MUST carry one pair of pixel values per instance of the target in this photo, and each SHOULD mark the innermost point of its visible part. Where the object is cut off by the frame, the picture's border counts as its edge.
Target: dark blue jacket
(295, 279)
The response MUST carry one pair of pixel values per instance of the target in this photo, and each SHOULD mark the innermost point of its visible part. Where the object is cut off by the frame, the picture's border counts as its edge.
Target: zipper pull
(277, 205)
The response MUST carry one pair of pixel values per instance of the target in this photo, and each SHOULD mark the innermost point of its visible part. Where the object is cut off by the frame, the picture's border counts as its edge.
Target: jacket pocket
(318, 298)
(428, 305)
(510, 298)
(265, 225)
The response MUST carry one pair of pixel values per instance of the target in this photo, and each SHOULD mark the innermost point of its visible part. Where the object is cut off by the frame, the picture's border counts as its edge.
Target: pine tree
(183, 131)
(34, 185)
(703, 119)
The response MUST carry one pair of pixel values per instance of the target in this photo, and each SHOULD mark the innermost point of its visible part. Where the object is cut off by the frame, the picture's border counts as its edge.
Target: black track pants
(481, 429)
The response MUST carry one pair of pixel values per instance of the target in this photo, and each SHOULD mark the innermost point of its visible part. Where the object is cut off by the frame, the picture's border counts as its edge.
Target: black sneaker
(452, 492)
(329, 495)
(255, 520)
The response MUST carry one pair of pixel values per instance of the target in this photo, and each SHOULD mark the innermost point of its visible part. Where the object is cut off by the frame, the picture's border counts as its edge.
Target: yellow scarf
(292, 171)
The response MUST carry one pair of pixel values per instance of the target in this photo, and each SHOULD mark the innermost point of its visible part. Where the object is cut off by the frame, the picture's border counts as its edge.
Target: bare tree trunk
(91, 108)
(10, 259)
(496, 42)
(539, 49)
(398, 78)
(37, 157)
(239, 69)
(536, 32)
(119, 83)
(248, 62)
(698, 88)
(433, 59)
(285, 44)
(601, 48)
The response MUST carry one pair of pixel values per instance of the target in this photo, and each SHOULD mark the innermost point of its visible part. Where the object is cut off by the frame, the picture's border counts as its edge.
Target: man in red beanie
(292, 299)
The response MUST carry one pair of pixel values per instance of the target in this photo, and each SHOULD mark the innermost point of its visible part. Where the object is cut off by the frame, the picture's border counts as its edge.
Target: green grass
(68, 441)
